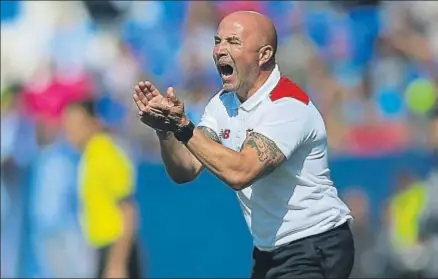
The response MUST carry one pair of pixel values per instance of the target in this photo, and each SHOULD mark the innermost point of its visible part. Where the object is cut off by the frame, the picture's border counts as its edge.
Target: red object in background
(47, 103)
(227, 7)
(376, 139)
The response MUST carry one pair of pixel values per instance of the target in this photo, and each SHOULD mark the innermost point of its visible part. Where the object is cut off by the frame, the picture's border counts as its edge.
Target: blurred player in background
(106, 183)
(428, 225)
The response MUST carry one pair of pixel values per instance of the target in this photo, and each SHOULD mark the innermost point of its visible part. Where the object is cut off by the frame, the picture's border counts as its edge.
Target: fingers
(141, 104)
(151, 89)
(166, 112)
(170, 94)
(162, 108)
(141, 85)
(146, 89)
(152, 110)
(171, 97)
(153, 113)
(140, 93)
(157, 112)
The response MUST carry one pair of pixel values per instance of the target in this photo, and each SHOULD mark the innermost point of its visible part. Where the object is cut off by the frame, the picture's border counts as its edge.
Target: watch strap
(185, 133)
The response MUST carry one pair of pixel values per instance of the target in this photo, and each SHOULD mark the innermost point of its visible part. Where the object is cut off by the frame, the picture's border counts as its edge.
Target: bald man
(264, 138)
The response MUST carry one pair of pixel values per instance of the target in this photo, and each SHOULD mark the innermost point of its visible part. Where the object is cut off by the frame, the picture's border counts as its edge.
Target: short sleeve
(287, 125)
(208, 117)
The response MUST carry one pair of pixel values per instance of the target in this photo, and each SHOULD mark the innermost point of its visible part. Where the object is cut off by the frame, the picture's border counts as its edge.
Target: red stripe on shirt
(288, 89)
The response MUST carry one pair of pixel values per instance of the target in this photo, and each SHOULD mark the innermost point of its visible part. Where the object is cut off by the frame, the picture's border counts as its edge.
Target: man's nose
(219, 51)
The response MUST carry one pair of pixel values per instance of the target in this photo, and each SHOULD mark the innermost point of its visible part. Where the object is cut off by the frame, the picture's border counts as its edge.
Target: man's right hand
(145, 94)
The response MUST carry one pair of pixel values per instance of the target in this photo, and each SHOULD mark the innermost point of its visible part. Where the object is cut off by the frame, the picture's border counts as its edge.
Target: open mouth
(226, 70)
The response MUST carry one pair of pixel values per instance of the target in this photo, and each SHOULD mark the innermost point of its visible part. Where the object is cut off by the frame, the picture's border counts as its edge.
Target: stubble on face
(239, 39)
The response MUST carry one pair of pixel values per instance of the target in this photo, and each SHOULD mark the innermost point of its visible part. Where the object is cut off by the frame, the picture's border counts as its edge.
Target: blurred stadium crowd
(370, 67)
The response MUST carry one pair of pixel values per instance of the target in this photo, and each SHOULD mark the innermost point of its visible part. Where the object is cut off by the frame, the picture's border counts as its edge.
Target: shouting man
(263, 137)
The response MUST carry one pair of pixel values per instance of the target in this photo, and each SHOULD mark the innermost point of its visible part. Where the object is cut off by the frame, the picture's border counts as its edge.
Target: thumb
(170, 94)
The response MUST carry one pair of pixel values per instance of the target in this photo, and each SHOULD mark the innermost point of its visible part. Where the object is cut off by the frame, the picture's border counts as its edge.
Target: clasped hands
(162, 113)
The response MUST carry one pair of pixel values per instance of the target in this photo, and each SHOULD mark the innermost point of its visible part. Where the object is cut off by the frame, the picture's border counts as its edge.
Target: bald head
(257, 25)
(244, 51)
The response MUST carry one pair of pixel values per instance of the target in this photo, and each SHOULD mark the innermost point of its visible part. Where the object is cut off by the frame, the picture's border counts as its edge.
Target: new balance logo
(225, 133)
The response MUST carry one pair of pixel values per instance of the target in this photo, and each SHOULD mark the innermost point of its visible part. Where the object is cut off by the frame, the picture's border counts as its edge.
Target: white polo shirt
(298, 199)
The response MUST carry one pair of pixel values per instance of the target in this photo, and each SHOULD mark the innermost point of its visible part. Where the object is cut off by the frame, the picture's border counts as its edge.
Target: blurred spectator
(429, 227)
(49, 91)
(428, 231)
(60, 249)
(16, 154)
(407, 253)
(106, 182)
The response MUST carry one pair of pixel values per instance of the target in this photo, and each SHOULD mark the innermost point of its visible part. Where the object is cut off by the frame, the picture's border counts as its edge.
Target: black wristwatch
(185, 133)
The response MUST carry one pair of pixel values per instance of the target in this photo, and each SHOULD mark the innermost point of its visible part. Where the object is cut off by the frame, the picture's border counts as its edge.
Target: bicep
(262, 153)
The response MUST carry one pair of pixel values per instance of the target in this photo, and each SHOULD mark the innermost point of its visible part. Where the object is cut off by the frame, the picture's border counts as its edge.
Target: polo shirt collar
(263, 91)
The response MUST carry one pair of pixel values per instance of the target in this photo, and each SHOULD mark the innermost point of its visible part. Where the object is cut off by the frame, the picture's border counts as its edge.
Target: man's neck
(261, 79)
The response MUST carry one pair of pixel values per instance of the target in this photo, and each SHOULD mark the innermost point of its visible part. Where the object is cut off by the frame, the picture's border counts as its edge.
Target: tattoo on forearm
(267, 151)
(209, 133)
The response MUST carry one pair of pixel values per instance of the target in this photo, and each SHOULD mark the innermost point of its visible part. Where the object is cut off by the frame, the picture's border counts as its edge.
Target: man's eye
(233, 41)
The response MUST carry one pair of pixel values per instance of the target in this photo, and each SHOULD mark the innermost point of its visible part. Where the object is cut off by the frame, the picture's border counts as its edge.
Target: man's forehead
(227, 29)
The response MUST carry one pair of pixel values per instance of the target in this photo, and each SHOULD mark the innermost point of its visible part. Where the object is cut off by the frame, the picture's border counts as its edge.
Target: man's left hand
(175, 114)
(145, 93)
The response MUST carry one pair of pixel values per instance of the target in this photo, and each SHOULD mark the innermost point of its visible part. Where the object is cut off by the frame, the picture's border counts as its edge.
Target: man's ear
(265, 54)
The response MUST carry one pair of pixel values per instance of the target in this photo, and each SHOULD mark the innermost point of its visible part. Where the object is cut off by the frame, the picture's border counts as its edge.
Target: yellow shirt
(106, 177)
(406, 208)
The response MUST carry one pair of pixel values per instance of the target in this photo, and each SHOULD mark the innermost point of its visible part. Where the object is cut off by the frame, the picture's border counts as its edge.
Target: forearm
(180, 164)
(228, 165)
(120, 250)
